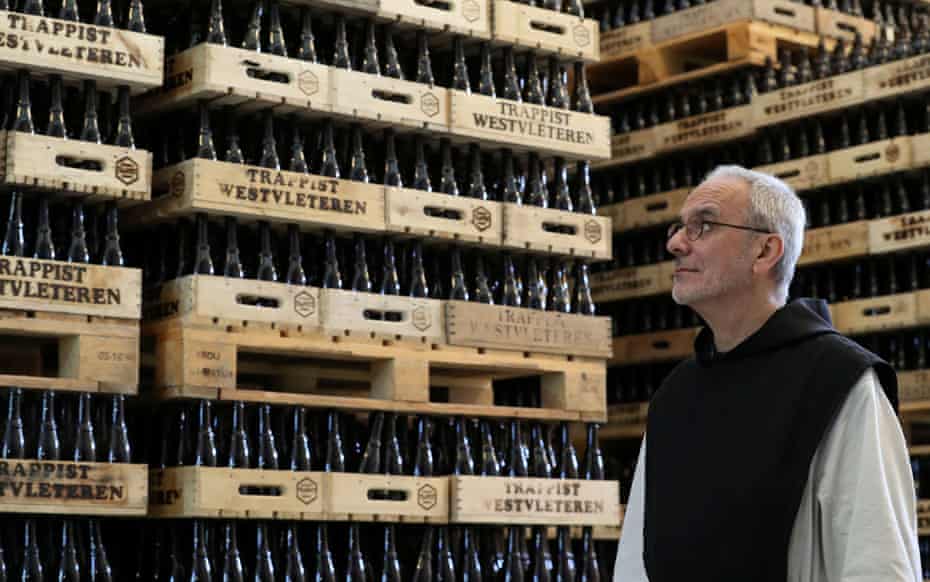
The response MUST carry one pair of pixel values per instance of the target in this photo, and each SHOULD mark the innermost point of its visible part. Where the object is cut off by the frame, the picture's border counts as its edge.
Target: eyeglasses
(697, 226)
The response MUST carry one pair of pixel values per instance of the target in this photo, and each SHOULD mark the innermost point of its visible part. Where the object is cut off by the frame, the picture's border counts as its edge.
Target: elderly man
(774, 452)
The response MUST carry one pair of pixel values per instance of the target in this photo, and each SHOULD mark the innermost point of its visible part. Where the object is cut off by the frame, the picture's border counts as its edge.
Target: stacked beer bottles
(366, 283)
(71, 305)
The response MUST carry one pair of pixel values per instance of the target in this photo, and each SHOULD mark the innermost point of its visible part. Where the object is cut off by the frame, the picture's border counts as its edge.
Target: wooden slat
(846, 26)
(808, 99)
(425, 499)
(371, 314)
(467, 17)
(546, 30)
(629, 147)
(394, 101)
(833, 243)
(439, 215)
(555, 231)
(722, 12)
(801, 174)
(871, 159)
(632, 282)
(625, 40)
(707, 129)
(660, 346)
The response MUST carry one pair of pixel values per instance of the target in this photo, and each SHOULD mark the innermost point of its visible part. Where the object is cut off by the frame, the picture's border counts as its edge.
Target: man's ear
(768, 253)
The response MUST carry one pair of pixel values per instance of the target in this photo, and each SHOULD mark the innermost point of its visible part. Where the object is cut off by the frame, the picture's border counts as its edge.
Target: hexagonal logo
(421, 318)
(429, 104)
(308, 83)
(178, 182)
(427, 497)
(892, 152)
(592, 231)
(581, 35)
(481, 218)
(304, 304)
(812, 170)
(127, 170)
(471, 10)
(307, 490)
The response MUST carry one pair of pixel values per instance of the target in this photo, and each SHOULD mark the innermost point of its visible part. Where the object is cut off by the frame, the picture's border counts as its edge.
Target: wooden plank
(837, 24)
(652, 210)
(707, 129)
(389, 498)
(530, 501)
(660, 346)
(900, 232)
(808, 99)
(526, 127)
(62, 287)
(393, 101)
(361, 7)
(721, 12)
(206, 298)
(897, 78)
(546, 30)
(913, 386)
(514, 328)
(920, 150)
(871, 159)
(466, 17)
(625, 40)
(836, 242)
(77, 51)
(66, 488)
(801, 174)
(223, 492)
(240, 76)
(254, 193)
(878, 313)
(632, 282)
(634, 413)
(556, 231)
(52, 163)
(629, 147)
(344, 313)
(438, 215)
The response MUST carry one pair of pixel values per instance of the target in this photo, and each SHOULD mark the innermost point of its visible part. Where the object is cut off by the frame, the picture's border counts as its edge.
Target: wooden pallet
(660, 346)
(72, 488)
(685, 58)
(546, 230)
(112, 57)
(834, 243)
(632, 282)
(222, 492)
(64, 165)
(529, 501)
(546, 31)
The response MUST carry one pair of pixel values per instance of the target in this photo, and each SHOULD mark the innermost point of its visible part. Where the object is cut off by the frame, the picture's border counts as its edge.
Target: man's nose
(678, 244)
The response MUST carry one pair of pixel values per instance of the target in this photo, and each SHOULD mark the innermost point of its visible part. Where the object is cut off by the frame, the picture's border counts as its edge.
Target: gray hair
(773, 206)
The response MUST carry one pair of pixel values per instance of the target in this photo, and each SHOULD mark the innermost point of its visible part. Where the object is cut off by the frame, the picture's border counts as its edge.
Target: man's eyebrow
(703, 212)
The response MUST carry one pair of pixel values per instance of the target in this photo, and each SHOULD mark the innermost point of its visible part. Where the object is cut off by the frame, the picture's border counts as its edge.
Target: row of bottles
(298, 551)
(128, 14)
(353, 154)
(635, 383)
(648, 315)
(400, 269)
(35, 549)
(292, 438)
(893, 195)
(89, 116)
(66, 232)
(373, 48)
(863, 278)
(51, 426)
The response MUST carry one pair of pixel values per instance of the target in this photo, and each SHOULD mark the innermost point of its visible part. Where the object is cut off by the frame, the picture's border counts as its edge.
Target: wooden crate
(73, 488)
(223, 492)
(801, 174)
(632, 282)
(251, 81)
(254, 193)
(78, 51)
(634, 413)
(837, 24)
(527, 330)
(651, 210)
(920, 150)
(556, 231)
(527, 127)
(629, 147)
(438, 215)
(923, 517)
(250, 361)
(546, 31)
(721, 12)
(63, 165)
(834, 243)
(373, 98)
(887, 312)
(660, 346)
(871, 159)
(371, 315)
(466, 17)
(808, 99)
(900, 232)
(897, 78)
(625, 40)
(386, 498)
(355, 7)
(529, 501)
(913, 386)
(704, 130)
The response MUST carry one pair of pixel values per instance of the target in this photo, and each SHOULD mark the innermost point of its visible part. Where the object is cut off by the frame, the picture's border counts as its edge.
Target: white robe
(857, 521)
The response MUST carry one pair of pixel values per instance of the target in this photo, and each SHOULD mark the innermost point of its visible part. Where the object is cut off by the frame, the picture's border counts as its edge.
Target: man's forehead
(715, 196)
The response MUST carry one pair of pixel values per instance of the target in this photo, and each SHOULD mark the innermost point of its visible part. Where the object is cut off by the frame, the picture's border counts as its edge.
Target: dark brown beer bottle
(68, 11)
(69, 568)
(423, 458)
(264, 560)
(558, 96)
(482, 287)
(447, 184)
(216, 28)
(582, 95)
(390, 282)
(584, 304)
(104, 14)
(201, 568)
(266, 270)
(56, 112)
(294, 570)
(85, 445)
(486, 75)
(390, 568)
(424, 568)
(445, 563)
(513, 564)
(14, 241)
(329, 165)
(295, 267)
(568, 460)
(593, 458)
(532, 91)
(205, 453)
(536, 291)
(48, 447)
(239, 449)
(370, 62)
(91, 130)
(392, 176)
(335, 454)
(559, 299)
(332, 278)
(253, 34)
(32, 569)
(44, 245)
(392, 66)
(418, 284)
(205, 149)
(511, 87)
(424, 66)
(119, 449)
(476, 186)
(420, 169)
(276, 43)
(23, 118)
(341, 58)
(460, 80)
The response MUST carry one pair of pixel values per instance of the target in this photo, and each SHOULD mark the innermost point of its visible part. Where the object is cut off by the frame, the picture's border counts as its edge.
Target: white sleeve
(865, 492)
(629, 566)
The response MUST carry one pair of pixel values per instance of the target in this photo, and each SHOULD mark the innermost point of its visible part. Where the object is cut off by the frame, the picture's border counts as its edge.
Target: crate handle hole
(447, 213)
(788, 174)
(258, 301)
(845, 26)
(263, 490)
(559, 228)
(657, 206)
(383, 315)
(661, 345)
(79, 163)
(546, 27)
(876, 311)
(387, 495)
(867, 157)
(437, 5)
(256, 72)
(392, 97)
(781, 10)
